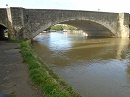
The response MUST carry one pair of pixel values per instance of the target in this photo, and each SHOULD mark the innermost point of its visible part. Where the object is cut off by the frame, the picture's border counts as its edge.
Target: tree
(69, 27)
(57, 27)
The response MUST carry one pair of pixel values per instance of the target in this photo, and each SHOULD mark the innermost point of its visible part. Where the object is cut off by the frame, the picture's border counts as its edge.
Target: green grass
(58, 79)
(41, 76)
(15, 41)
(12, 94)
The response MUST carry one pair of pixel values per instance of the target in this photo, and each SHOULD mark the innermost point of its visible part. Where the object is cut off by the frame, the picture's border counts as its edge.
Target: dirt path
(14, 76)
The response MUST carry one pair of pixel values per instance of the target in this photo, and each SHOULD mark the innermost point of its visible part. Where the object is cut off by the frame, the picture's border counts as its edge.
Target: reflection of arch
(92, 28)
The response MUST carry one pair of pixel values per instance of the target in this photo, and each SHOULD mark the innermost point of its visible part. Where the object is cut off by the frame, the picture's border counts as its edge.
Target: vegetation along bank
(43, 76)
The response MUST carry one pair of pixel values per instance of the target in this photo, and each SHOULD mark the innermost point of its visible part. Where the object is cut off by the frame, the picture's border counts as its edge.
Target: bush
(23, 44)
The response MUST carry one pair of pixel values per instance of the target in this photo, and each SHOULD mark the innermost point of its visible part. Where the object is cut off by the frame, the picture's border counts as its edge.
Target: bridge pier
(124, 25)
(16, 24)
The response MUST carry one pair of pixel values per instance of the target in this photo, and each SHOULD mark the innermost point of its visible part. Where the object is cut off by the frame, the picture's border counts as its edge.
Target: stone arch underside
(2, 24)
(89, 27)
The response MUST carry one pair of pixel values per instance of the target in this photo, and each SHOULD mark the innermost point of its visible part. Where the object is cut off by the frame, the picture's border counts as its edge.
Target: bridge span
(27, 23)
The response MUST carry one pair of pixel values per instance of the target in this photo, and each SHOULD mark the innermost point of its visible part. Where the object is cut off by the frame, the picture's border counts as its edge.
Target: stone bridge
(27, 23)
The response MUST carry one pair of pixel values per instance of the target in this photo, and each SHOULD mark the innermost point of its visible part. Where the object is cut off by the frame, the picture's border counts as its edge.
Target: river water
(94, 67)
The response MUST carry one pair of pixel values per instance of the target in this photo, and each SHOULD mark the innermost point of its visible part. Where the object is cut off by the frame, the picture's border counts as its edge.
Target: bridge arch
(90, 27)
(1, 24)
(41, 19)
(2, 31)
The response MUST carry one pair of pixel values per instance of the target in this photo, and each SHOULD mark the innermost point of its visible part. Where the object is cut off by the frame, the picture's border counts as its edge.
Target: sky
(89, 5)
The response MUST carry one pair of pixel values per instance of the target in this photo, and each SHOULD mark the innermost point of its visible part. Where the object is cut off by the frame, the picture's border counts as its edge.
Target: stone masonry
(27, 23)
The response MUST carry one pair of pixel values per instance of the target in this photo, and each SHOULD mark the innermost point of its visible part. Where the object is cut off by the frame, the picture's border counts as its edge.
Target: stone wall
(3, 17)
(17, 18)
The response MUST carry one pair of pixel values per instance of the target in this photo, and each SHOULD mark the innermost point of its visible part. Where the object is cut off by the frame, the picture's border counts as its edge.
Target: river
(94, 67)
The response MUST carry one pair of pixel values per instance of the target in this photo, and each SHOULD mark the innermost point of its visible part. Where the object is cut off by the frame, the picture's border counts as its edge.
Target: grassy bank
(15, 41)
(43, 76)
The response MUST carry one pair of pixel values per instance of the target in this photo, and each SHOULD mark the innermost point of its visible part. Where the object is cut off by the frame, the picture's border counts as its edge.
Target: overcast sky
(90, 5)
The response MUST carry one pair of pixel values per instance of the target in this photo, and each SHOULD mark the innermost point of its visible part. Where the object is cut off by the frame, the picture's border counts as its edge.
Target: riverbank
(14, 74)
(43, 76)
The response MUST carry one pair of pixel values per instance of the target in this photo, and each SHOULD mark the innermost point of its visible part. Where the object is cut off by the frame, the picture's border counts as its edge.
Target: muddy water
(97, 67)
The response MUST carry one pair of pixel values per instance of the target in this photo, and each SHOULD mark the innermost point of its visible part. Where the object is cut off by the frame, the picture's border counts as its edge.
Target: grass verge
(15, 41)
(12, 94)
(43, 76)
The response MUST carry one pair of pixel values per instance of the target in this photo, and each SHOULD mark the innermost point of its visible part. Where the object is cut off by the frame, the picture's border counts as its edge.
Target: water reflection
(93, 67)
(122, 48)
(58, 41)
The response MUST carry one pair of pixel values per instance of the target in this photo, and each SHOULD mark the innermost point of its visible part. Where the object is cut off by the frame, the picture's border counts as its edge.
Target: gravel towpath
(14, 75)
